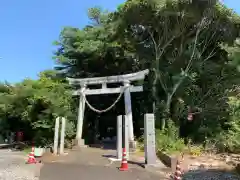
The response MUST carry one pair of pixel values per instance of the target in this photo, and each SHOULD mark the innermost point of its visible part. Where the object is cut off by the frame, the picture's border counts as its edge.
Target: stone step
(79, 147)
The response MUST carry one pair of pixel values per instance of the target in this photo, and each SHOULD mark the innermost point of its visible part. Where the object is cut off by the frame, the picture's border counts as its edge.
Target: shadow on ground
(104, 146)
(18, 146)
(129, 161)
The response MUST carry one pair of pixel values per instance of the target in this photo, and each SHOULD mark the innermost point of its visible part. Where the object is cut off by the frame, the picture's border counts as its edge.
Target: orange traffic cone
(31, 158)
(124, 165)
(178, 172)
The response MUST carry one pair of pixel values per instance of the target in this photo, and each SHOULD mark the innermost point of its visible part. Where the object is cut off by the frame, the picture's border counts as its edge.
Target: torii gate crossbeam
(127, 88)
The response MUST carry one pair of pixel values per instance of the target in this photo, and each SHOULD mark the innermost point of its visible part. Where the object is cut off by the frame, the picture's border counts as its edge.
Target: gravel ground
(210, 175)
(13, 167)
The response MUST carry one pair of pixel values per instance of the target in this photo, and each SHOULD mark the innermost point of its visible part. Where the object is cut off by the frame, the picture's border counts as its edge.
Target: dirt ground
(211, 161)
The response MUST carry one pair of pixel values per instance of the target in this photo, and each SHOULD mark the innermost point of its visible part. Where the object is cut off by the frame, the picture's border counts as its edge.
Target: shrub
(195, 150)
(230, 139)
(140, 144)
(168, 144)
(168, 140)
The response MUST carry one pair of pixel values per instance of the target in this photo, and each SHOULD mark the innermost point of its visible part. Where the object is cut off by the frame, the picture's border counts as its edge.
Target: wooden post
(56, 131)
(63, 120)
(128, 112)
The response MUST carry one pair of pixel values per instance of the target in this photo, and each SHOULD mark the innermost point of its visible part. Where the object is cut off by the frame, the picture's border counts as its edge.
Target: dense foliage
(32, 105)
(191, 48)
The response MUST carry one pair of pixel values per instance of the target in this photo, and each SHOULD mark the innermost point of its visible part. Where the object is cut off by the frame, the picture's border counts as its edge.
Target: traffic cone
(124, 165)
(31, 158)
(178, 172)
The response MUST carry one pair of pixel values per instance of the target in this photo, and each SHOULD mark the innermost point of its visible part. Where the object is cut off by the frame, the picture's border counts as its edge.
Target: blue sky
(29, 27)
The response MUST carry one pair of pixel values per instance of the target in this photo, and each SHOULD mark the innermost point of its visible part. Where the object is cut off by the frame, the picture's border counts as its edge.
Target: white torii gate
(127, 88)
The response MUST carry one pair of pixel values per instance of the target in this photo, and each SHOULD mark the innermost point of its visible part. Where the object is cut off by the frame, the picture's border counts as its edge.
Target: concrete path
(61, 171)
(93, 164)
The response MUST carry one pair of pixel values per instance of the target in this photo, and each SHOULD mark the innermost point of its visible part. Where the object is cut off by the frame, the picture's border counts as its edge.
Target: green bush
(140, 144)
(168, 140)
(229, 140)
(168, 144)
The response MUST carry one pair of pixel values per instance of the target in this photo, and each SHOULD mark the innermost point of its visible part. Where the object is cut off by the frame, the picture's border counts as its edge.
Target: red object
(31, 157)
(19, 136)
(190, 117)
(124, 165)
(178, 173)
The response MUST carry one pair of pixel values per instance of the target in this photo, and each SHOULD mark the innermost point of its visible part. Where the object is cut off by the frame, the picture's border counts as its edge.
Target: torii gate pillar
(81, 108)
(128, 113)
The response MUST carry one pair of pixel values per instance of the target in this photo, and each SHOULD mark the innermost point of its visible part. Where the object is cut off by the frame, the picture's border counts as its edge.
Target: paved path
(92, 164)
(61, 171)
(13, 167)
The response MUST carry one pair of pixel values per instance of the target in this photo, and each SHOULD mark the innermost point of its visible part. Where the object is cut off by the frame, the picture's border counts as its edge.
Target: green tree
(181, 46)
(92, 51)
(189, 52)
(33, 105)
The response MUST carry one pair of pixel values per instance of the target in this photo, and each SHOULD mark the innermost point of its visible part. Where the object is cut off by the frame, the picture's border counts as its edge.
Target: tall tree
(177, 40)
(92, 51)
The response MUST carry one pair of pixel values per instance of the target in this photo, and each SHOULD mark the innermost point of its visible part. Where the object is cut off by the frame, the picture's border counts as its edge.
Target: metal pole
(56, 131)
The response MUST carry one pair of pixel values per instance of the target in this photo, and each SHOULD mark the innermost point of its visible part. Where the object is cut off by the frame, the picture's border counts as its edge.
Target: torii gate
(127, 88)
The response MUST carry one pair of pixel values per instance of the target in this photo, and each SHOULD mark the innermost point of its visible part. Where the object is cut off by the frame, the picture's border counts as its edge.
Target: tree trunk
(166, 117)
